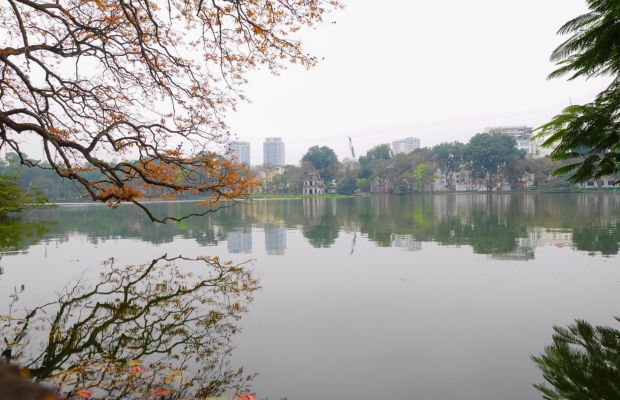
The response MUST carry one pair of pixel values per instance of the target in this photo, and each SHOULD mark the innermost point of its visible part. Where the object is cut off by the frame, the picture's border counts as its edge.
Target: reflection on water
(239, 241)
(275, 239)
(424, 296)
(134, 330)
(507, 226)
(17, 234)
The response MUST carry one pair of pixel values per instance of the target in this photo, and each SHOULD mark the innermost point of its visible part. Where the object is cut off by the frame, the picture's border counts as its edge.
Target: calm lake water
(414, 297)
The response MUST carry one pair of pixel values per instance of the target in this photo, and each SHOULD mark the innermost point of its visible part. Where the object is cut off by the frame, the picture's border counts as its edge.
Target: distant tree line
(489, 160)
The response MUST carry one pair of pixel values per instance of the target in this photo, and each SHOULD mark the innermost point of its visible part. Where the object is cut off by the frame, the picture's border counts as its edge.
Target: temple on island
(313, 184)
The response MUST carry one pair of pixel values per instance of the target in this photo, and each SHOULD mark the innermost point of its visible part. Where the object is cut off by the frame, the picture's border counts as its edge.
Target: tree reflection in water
(136, 330)
(583, 363)
(16, 234)
(497, 224)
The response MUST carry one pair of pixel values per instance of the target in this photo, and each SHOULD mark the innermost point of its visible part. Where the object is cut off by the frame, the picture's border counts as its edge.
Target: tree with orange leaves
(144, 81)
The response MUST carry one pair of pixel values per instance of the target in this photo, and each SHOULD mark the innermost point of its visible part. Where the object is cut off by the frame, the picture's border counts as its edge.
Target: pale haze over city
(438, 71)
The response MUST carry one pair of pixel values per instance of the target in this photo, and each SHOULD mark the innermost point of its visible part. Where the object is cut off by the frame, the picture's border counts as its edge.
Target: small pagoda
(313, 184)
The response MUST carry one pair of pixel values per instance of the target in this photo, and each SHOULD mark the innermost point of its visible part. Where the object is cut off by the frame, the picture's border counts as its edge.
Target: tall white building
(241, 151)
(273, 152)
(517, 132)
(522, 134)
(406, 145)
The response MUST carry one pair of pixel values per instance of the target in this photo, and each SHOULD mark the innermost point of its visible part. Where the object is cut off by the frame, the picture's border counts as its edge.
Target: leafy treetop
(589, 135)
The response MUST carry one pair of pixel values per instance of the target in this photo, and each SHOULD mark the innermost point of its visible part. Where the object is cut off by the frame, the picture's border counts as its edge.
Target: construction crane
(352, 149)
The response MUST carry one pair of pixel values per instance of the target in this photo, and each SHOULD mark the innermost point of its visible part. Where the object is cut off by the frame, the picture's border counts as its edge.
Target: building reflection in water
(275, 239)
(506, 226)
(537, 237)
(314, 209)
(239, 241)
(406, 242)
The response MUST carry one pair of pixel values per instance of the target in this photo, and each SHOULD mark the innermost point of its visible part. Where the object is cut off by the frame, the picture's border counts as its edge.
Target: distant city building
(273, 152)
(405, 146)
(522, 135)
(531, 147)
(604, 182)
(313, 184)
(517, 132)
(241, 151)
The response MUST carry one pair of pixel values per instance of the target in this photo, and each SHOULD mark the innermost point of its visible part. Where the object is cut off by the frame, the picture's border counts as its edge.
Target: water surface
(426, 297)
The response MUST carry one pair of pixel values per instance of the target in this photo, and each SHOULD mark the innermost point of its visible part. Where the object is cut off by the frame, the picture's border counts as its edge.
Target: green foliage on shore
(13, 199)
(324, 160)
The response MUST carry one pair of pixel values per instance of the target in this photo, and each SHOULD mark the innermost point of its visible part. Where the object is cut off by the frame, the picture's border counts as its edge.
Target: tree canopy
(13, 199)
(589, 135)
(449, 158)
(143, 82)
(488, 154)
(323, 159)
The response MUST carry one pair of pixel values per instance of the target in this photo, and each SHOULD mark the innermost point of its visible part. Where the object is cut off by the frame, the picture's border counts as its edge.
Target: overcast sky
(436, 70)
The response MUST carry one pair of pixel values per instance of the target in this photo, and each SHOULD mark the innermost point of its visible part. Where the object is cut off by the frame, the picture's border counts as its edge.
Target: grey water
(416, 297)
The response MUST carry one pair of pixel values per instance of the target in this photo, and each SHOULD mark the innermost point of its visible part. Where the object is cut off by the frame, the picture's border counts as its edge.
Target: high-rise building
(273, 152)
(241, 151)
(406, 145)
(522, 135)
(517, 132)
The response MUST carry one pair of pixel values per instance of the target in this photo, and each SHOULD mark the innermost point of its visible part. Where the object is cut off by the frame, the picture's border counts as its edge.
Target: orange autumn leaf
(84, 393)
(245, 396)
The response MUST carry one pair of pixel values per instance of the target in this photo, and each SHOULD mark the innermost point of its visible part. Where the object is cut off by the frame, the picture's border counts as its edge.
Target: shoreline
(341, 196)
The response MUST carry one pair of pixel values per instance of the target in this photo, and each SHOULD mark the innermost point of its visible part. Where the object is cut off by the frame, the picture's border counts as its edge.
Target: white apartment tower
(406, 145)
(273, 152)
(241, 151)
(521, 134)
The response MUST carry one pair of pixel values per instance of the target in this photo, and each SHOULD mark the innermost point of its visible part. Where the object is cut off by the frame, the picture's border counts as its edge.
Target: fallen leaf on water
(84, 393)
(136, 369)
(161, 392)
(246, 396)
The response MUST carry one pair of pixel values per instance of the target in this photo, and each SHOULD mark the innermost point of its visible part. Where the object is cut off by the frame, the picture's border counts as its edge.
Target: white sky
(437, 70)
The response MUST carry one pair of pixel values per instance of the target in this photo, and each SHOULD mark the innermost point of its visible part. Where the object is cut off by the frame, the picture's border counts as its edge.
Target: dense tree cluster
(490, 161)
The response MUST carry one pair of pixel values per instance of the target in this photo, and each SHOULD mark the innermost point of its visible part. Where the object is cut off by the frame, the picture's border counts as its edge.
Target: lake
(416, 297)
